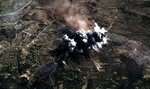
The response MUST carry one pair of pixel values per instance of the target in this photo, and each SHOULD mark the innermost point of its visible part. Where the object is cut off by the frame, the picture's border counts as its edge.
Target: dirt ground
(133, 22)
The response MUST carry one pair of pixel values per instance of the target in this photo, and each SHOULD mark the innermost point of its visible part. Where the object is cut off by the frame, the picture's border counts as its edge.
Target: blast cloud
(78, 17)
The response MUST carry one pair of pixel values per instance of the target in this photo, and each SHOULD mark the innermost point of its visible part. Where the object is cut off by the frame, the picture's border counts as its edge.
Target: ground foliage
(27, 39)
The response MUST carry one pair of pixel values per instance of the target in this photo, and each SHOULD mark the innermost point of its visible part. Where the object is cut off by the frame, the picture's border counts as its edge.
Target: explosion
(78, 17)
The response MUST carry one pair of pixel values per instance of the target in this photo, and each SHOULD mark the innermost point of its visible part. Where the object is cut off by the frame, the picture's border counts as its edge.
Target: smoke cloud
(74, 13)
